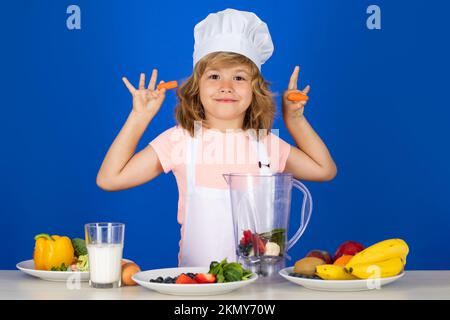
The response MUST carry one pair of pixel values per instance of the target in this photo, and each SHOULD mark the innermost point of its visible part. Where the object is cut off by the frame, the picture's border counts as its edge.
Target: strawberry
(247, 235)
(246, 238)
(185, 279)
(205, 278)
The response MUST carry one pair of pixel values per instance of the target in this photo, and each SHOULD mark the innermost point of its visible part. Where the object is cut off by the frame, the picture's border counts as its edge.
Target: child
(220, 108)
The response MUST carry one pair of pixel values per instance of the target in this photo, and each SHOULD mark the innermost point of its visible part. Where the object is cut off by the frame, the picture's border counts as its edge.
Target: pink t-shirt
(217, 153)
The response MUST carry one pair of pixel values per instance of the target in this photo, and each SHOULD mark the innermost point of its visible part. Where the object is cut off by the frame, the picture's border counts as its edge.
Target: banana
(333, 272)
(381, 251)
(387, 268)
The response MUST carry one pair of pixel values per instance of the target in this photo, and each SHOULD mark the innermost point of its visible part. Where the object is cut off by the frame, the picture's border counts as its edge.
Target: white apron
(208, 222)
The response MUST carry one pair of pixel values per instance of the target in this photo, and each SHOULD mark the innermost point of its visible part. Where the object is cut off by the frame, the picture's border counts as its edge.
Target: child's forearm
(124, 146)
(309, 142)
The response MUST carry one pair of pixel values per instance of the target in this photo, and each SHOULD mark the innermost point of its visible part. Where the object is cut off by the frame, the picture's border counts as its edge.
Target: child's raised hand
(146, 101)
(293, 109)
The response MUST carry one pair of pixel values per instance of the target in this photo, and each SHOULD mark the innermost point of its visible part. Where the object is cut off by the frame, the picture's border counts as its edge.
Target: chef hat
(234, 31)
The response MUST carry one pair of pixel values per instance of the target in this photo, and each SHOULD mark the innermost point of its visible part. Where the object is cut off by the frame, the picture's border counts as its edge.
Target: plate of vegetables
(60, 258)
(57, 258)
(220, 278)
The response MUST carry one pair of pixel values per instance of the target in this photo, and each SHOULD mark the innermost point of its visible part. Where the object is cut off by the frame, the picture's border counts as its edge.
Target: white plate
(338, 285)
(27, 266)
(143, 279)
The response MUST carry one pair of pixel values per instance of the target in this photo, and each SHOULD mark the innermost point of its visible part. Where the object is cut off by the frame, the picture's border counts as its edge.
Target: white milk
(105, 262)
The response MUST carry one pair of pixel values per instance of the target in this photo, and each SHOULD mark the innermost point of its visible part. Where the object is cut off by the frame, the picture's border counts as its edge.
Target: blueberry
(190, 275)
(168, 280)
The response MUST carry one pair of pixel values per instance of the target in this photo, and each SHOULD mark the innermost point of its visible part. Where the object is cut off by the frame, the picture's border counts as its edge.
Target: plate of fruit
(220, 278)
(353, 267)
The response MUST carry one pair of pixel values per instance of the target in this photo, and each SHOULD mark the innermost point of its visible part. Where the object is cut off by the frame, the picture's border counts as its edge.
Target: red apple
(348, 248)
(321, 254)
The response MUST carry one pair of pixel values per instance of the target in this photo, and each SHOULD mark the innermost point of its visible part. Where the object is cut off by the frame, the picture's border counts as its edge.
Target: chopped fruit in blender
(252, 244)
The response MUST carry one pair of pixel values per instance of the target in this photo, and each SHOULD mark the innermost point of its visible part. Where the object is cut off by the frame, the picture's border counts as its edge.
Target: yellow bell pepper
(52, 252)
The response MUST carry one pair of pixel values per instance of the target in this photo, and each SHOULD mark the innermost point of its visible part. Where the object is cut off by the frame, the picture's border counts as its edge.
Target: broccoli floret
(79, 245)
(83, 263)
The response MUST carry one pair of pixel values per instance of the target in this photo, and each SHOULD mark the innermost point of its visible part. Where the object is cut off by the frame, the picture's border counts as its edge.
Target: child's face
(226, 83)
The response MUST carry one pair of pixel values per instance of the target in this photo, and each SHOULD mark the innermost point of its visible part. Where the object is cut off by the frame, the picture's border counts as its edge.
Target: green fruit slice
(43, 235)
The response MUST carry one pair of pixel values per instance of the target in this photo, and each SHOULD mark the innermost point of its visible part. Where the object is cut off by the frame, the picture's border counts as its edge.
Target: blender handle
(305, 213)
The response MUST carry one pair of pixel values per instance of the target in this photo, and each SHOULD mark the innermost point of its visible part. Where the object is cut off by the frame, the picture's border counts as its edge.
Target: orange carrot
(167, 85)
(297, 96)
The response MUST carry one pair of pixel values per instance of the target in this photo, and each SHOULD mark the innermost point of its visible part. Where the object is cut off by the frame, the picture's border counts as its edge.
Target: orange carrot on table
(167, 85)
(297, 96)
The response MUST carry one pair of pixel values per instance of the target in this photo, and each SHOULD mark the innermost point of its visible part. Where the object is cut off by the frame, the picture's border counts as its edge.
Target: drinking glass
(104, 241)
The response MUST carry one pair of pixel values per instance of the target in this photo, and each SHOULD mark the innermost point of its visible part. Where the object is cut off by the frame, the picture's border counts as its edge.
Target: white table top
(414, 285)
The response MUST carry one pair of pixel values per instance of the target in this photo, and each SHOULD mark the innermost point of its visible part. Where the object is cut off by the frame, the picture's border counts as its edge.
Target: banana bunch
(383, 259)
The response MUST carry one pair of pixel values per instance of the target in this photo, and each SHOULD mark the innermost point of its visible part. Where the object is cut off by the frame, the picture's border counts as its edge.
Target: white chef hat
(234, 31)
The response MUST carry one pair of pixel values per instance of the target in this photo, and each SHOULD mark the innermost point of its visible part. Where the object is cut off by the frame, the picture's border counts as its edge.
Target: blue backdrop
(377, 100)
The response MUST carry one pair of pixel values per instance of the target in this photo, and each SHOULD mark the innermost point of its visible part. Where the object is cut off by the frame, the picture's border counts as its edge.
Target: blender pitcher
(261, 205)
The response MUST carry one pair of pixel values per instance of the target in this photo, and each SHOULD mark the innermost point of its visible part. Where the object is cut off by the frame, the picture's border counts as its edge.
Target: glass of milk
(104, 241)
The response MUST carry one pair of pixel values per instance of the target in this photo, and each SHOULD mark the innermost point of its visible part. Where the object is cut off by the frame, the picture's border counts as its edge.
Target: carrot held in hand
(167, 85)
(297, 96)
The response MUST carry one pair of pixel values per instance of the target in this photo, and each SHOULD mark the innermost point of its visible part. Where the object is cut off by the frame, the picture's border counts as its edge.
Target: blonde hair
(259, 115)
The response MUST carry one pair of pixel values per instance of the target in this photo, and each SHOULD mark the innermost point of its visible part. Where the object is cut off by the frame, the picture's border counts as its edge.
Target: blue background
(377, 100)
